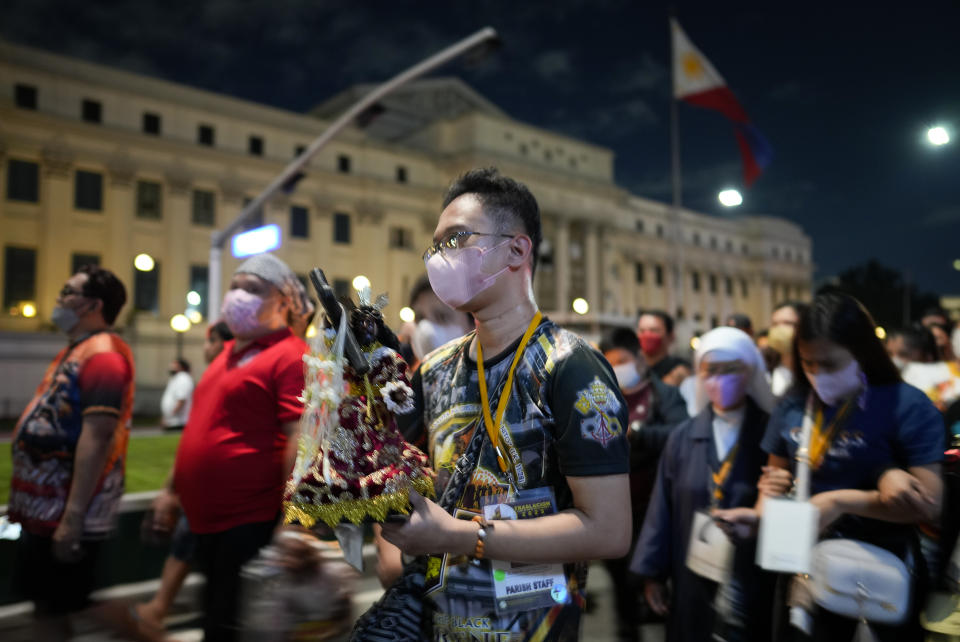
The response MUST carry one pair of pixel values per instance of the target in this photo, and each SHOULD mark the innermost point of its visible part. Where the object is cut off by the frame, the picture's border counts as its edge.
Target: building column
(56, 201)
(119, 200)
(175, 277)
(592, 260)
(561, 266)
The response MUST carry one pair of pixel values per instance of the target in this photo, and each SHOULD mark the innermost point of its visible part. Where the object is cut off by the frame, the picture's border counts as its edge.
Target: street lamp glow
(193, 297)
(194, 316)
(938, 136)
(28, 309)
(880, 332)
(694, 343)
(407, 315)
(180, 323)
(360, 282)
(730, 198)
(143, 262)
(580, 306)
(256, 241)
(956, 265)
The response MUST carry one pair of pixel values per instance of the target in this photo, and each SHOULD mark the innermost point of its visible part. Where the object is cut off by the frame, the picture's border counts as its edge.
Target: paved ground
(183, 625)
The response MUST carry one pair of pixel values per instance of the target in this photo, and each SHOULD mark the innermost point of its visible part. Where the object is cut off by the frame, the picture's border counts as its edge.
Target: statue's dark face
(365, 323)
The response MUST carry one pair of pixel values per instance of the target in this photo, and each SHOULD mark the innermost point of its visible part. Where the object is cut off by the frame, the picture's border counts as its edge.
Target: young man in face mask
(69, 452)
(556, 423)
(655, 409)
(239, 443)
(655, 332)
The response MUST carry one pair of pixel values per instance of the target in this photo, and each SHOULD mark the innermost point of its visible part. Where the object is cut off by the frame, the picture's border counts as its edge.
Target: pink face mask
(240, 311)
(725, 390)
(457, 276)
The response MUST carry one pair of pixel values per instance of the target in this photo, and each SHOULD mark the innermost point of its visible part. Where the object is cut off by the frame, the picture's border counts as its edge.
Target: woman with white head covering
(711, 461)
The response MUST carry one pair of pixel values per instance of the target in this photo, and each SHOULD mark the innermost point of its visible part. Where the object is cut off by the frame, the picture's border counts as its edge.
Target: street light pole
(289, 174)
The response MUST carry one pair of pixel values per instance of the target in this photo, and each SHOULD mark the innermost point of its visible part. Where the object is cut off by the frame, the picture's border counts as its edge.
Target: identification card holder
(520, 586)
(710, 551)
(788, 533)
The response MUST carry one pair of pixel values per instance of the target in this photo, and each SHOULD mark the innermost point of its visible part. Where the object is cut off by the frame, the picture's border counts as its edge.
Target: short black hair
(935, 312)
(740, 322)
(104, 285)
(420, 286)
(622, 338)
(798, 306)
(660, 314)
(843, 320)
(222, 330)
(504, 200)
(184, 364)
(918, 338)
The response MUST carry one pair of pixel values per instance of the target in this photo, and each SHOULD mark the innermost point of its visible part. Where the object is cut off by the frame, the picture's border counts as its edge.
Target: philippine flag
(697, 82)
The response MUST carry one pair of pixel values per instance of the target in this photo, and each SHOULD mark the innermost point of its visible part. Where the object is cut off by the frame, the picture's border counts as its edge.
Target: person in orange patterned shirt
(69, 453)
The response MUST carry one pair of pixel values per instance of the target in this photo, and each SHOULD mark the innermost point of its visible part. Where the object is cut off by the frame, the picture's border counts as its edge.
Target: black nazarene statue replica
(352, 463)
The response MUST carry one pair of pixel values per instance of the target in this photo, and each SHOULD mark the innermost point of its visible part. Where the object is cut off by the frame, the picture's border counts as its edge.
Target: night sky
(843, 95)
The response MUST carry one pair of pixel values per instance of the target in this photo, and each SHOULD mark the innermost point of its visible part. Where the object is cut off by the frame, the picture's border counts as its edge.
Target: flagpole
(675, 175)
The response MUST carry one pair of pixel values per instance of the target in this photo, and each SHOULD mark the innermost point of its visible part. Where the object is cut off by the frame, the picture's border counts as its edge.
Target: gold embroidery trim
(355, 510)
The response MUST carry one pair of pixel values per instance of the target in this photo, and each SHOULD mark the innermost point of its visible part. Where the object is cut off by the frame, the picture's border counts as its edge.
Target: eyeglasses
(67, 291)
(455, 241)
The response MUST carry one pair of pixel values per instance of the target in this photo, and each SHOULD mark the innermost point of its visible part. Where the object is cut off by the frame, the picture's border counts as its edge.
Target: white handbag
(860, 581)
(849, 577)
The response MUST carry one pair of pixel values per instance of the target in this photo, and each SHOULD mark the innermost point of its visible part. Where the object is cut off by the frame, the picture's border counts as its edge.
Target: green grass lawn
(148, 464)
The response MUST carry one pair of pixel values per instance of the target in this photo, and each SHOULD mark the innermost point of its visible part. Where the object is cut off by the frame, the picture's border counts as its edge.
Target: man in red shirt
(70, 450)
(240, 440)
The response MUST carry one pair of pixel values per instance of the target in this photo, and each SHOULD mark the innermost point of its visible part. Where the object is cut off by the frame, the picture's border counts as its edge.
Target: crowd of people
(659, 466)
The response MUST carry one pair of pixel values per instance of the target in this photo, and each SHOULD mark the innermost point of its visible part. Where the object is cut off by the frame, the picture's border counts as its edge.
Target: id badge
(710, 552)
(519, 586)
(788, 532)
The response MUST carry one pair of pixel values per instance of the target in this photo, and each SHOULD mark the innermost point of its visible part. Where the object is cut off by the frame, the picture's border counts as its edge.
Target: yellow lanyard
(720, 477)
(493, 429)
(820, 441)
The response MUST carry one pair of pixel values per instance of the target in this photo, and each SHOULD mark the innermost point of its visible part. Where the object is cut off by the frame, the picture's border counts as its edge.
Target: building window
(146, 290)
(775, 252)
(151, 123)
(203, 208)
(299, 222)
(729, 246)
(91, 110)
(401, 238)
(638, 272)
(658, 275)
(205, 135)
(680, 314)
(729, 284)
(256, 220)
(743, 288)
(713, 242)
(343, 164)
(298, 150)
(79, 259)
(401, 174)
(523, 149)
(19, 276)
(25, 96)
(23, 181)
(255, 146)
(714, 321)
(341, 228)
(199, 283)
(659, 231)
(639, 225)
(713, 284)
(695, 281)
(149, 200)
(88, 191)
(744, 249)
(696, 239)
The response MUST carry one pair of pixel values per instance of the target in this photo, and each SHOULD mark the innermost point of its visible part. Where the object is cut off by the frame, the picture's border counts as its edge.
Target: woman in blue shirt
(712, 460)
(875, 469)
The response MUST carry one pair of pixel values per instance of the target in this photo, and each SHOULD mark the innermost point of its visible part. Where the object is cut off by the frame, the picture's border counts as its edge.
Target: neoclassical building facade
(101, 165)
